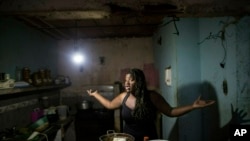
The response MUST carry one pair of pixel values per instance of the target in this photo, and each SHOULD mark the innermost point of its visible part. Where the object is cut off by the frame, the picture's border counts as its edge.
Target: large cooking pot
(158, 140)
(85, 105)
(112, 136)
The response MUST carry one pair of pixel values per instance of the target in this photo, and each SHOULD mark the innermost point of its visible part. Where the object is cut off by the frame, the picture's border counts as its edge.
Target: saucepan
(84, 105)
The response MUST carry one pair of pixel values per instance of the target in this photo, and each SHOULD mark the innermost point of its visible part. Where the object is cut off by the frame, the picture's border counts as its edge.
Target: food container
(62, 111)
(112, 136)
(40, 125)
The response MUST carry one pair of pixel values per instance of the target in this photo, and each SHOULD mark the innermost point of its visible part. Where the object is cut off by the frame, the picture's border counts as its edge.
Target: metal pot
(111, 136)
(84, 105)
(159, 140)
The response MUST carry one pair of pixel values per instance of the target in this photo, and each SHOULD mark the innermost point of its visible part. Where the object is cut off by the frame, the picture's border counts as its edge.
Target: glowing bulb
(78, 58)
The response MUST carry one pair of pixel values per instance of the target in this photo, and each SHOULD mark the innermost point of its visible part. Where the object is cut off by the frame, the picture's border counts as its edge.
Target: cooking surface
(95, 114)
(92, 123)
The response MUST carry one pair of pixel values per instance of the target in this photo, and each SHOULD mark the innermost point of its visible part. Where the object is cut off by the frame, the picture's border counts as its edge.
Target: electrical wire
(46, 137)
(223, 62)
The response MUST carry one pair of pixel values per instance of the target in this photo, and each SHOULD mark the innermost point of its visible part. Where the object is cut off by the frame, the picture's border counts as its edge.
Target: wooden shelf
(10, 91)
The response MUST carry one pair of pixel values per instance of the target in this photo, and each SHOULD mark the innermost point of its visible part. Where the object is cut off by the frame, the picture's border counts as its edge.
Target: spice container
(26, 75)
(48, 76)
(42, 77)
(36, 79)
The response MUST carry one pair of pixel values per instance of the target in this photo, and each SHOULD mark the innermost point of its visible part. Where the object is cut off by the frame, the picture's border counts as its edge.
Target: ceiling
(71, 19)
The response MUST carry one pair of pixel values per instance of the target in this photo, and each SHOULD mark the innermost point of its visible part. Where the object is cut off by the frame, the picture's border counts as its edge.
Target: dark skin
(159, 102)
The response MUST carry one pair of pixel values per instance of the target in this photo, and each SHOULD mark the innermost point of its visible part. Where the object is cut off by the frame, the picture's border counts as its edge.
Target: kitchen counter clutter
(56, 131)
(43, 131)
(20, 102)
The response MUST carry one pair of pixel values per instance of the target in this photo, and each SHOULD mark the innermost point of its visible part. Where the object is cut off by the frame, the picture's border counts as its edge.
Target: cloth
(152, 75)
(70, 133)
(58, 135)
(137, 129)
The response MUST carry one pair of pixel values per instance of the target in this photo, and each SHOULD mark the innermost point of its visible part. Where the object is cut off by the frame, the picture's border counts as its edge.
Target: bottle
(45, 102)
(145, 138)
(26, 75)
(18, 74)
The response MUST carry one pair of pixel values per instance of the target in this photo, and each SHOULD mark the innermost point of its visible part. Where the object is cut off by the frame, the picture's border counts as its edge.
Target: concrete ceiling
(71, 19)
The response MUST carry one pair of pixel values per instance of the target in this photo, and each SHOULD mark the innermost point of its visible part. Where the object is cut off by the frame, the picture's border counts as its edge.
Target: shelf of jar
(15, 90)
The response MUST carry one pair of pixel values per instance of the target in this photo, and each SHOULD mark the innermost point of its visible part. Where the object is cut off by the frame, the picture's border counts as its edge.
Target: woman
(140, 105)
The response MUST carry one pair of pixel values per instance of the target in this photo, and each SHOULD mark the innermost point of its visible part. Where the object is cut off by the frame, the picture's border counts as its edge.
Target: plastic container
(40, 125)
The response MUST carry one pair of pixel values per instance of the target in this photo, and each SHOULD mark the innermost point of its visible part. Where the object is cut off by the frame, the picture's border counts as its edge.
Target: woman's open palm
(202, 103)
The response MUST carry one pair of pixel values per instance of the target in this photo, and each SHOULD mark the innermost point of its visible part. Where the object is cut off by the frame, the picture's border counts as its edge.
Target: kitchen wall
(208, 57)
(119, 54)
(22, 46)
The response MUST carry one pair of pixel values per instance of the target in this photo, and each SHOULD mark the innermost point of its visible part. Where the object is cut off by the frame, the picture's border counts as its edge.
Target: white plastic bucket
(62, 111)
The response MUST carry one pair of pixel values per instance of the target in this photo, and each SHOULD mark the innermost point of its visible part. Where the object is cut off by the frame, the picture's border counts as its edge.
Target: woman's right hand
(91, 93)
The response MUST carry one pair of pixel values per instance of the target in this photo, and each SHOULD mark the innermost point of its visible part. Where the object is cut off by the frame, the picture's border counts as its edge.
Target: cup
(6, 76)
(62, 111)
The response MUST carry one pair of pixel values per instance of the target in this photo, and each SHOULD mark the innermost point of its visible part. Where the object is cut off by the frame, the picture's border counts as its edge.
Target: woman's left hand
(202, 103)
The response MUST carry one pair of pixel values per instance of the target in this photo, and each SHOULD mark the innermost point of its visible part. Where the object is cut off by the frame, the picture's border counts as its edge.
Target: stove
(92, 123)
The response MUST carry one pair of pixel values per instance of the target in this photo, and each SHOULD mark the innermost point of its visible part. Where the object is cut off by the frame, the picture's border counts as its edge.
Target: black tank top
(136, 128)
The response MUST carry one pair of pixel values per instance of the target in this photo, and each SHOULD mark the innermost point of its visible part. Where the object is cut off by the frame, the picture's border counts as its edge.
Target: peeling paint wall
(243, 65)
(222, 74)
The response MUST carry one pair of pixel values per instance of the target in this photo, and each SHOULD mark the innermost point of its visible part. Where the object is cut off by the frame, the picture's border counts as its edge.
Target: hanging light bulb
(78, 57)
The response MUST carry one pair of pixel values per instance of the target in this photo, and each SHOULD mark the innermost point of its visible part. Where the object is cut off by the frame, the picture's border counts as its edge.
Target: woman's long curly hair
(144, 108)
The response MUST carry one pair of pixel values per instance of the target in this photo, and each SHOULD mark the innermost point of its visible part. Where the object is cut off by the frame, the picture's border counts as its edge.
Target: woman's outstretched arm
(164, 107)
(109, 104)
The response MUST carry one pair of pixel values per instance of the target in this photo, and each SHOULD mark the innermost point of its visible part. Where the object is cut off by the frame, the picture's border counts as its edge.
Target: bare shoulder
(121, 95)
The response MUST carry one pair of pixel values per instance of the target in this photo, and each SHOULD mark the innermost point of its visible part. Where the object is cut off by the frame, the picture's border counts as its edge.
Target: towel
(58, 135)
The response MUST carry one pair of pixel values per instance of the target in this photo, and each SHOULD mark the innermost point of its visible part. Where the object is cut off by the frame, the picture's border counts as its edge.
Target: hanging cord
(76, 36)
(221, 36)
(223, 62)
(175, 19)
(46, 137)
